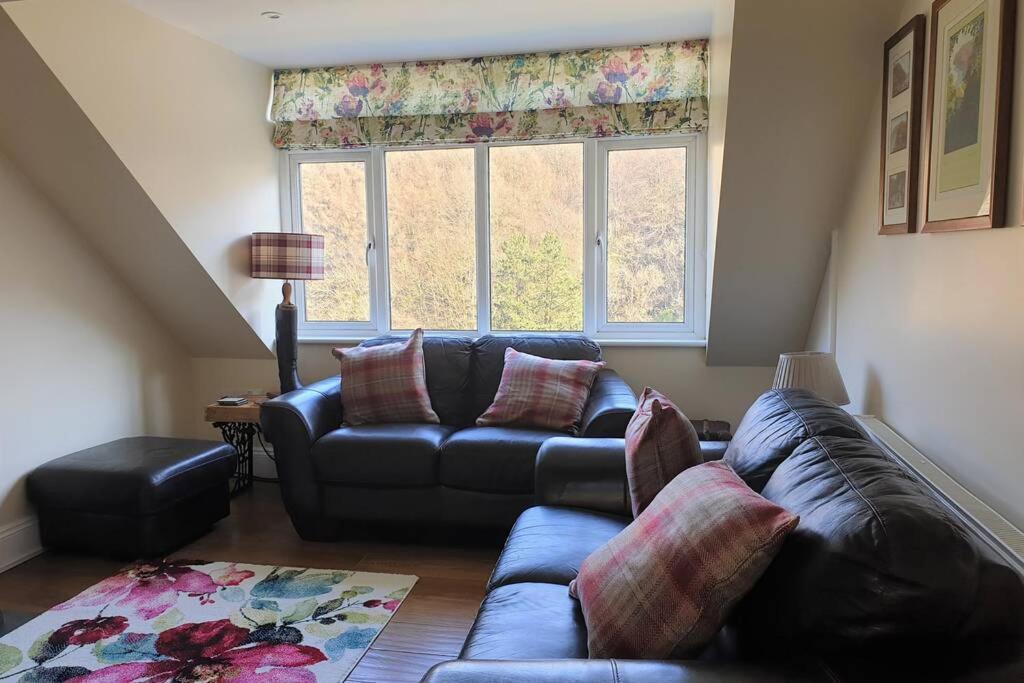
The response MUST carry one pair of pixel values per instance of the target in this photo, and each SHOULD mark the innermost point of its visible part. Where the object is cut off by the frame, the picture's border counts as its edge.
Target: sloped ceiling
(802, 80)
(107, 125)
(67, 158)
(126, 123)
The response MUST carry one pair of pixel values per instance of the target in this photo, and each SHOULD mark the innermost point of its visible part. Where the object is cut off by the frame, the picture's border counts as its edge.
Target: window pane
(536, 207)
(432, 239)
(334, 205)
(646, 235)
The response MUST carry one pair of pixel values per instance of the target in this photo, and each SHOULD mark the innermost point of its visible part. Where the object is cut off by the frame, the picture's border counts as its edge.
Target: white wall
(82, 361)
(931, 327)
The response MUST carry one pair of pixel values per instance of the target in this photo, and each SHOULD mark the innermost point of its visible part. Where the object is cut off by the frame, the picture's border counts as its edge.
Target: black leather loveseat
(449, 472)
(879, 582)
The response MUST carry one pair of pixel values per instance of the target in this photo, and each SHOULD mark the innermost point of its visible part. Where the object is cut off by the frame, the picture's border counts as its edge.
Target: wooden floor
(428, 628)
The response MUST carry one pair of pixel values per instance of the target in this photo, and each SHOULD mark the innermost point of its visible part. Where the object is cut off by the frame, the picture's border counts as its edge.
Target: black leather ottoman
(132, 498)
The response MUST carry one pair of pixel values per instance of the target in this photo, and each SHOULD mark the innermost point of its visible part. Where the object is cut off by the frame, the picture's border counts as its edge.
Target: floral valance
(615, 91)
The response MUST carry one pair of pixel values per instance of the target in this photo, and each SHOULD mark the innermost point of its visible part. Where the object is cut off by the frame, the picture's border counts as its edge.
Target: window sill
(616, 342)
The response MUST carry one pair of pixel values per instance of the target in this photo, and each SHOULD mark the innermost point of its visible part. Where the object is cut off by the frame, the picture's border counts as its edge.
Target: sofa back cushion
(876, 562)
(778, 422)
(447, 361)
(489, 360)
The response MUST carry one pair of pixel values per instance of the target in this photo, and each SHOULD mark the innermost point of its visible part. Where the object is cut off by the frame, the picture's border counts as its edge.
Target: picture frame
(970, 85)
(902, 92)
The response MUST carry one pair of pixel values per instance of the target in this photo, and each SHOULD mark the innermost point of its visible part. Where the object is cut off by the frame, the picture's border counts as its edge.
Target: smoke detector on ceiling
(271, 15)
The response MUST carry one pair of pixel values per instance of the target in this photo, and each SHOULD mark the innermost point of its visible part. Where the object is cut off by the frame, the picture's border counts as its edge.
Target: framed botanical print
(969, 87)
(902, 88)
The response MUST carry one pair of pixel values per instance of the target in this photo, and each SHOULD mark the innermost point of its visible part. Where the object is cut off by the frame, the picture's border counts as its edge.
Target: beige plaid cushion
(664, 586)
(660, 443)
(386, 383)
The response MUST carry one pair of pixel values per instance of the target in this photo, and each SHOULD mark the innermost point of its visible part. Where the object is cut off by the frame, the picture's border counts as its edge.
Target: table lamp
(812, 370)
(287, 256)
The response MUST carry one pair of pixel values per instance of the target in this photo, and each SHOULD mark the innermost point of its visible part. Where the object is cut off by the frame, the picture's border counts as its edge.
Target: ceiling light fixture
(271, 15)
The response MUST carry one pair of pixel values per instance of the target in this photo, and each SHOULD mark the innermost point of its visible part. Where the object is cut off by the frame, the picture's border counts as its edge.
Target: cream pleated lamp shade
(814, 371)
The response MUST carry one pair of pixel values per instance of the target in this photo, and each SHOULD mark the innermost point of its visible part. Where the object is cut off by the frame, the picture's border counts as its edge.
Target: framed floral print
(902, 88)
(969, 101)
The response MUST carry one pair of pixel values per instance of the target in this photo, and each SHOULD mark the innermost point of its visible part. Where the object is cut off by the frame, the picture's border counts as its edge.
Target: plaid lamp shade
(287, 256)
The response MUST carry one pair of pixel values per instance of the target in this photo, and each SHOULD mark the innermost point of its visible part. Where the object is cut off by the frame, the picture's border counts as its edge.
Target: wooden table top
(249, 412)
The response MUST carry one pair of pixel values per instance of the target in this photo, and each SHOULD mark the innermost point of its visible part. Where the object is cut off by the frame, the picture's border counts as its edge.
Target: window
(333, 201)
(536, 210)
(605, 237)
(431, 239)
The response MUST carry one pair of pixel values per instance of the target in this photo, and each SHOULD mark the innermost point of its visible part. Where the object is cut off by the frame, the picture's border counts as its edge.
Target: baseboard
(19, 541)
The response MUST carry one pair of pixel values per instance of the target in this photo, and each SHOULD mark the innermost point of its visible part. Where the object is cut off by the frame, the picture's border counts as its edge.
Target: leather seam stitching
(793, 410)
(856, 489)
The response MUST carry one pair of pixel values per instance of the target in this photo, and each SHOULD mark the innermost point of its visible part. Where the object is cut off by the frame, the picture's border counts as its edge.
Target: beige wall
(185, 117)
(83, 360)
(931, 327)
(798, 88)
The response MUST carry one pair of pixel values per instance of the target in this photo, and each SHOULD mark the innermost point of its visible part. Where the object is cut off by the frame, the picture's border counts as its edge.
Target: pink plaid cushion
(543, 393)
(660, 443)
(664, 586)
(386, 383)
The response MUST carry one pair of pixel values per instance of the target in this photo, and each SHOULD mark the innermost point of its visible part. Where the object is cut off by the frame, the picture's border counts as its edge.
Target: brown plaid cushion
(660, 443)
(664, 586)
(539, 392)
(386, 383)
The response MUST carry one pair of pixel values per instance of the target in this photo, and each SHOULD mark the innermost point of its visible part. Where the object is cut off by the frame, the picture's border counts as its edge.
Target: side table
(240, 427)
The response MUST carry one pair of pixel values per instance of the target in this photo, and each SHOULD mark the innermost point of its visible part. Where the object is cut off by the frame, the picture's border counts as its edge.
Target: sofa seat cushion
(778, 422)
(381, 454)
(527, 621)
(493, 459)
(548, 544)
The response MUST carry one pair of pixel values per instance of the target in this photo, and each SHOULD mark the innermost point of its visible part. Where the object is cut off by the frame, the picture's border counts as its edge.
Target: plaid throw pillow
(664, 586)
(543, 393)
(660, 443)
(386, 383)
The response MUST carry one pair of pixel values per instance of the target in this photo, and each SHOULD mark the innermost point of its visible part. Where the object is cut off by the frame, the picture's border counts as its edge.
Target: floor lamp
(287, 256)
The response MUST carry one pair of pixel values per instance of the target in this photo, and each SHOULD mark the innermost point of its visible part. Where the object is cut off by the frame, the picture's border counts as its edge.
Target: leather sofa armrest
(609, 408)
(584, 473)
(311, 411)
(293, 422)
(713, 450)
(608, 671)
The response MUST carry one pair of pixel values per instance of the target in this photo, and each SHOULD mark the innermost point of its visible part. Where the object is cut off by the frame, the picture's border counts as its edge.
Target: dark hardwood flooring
(428, 628)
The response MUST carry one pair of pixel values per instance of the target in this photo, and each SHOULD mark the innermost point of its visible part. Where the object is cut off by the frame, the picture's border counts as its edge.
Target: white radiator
(1002, 536)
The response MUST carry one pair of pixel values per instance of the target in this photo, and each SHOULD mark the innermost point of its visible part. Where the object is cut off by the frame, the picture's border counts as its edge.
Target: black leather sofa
(879, 582)
(450, 472)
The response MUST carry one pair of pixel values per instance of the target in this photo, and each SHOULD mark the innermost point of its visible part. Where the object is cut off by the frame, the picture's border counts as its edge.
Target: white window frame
(595, 173)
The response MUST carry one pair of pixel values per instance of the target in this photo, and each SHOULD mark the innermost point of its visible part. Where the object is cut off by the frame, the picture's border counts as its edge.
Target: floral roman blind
(643, 90)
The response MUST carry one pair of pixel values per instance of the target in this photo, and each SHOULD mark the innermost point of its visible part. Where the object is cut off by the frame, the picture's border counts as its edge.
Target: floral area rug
(184, 620)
